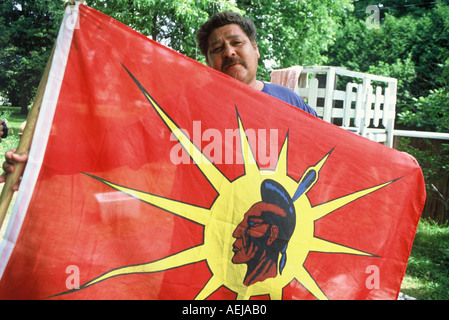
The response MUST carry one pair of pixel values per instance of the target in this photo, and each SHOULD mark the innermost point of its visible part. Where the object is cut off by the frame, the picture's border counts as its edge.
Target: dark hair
(274, 193)
(221, 19)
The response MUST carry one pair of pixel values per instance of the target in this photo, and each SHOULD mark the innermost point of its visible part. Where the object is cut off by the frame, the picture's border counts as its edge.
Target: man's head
(228, 41)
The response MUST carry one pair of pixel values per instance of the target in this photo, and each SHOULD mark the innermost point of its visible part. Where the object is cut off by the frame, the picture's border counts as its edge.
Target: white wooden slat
(358, 105)
(386, 116)
(367, 106)
(329, 95)
(422, 134)
(378, 100)
(313, 92)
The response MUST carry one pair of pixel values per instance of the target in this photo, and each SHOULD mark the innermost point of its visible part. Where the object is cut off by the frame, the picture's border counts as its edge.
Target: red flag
(152, 176)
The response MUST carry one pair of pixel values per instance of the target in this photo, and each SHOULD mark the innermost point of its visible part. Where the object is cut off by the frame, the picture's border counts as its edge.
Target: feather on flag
(152, 176)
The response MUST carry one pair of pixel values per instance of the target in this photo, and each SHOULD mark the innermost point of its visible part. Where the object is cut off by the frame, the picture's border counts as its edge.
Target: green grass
(427, 274)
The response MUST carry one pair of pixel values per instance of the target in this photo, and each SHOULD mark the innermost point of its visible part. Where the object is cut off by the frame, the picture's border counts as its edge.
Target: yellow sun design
(220, 220)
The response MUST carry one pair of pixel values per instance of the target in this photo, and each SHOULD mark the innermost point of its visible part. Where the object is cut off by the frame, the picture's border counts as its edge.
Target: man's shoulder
(287, 95)
(273, 87)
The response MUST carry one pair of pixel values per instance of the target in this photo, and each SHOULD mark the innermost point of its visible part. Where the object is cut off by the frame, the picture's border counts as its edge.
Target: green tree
(170, 22)
(431, 112)
(407, 46)
(290, 32)
(28, 30)
(385, 51)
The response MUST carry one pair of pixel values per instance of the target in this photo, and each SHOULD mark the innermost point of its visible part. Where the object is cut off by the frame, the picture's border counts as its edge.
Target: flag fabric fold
(152, 176)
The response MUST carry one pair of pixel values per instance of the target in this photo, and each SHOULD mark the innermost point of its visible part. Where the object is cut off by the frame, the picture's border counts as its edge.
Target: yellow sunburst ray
(326, 208)
(245, 293)
(276, 294)
(214, 176)
(251, 167)
(188, 211)
(242, 296)
(324, 246)
(211, 286)
(182, 258)
(309, 283)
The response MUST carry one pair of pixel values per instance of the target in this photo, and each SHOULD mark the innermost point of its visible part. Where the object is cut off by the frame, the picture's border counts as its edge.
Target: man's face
(231, 51)
(254, 234)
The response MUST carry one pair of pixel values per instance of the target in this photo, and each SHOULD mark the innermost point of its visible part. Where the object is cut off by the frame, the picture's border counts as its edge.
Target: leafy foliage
(430, 113)
(409, 45)
(28, 30)
(290, 32)
(170, 22)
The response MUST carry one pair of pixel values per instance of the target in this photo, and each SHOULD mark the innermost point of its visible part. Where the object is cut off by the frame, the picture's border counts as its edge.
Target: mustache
(230, 61)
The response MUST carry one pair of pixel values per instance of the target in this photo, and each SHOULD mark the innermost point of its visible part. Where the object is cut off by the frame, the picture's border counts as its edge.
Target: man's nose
(229, 51)
(238, 231)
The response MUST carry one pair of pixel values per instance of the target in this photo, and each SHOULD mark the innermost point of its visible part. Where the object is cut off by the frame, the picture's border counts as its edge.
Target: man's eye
(253, 223)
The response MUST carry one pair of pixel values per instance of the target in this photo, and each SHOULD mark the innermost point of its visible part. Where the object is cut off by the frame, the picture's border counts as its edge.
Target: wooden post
(24, 144)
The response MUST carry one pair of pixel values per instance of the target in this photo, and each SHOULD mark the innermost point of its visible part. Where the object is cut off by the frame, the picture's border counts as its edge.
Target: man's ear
(256, 47)
(273, 234)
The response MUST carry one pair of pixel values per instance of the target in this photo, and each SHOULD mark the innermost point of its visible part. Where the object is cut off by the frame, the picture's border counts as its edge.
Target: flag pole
(24, 144)
(27, 136)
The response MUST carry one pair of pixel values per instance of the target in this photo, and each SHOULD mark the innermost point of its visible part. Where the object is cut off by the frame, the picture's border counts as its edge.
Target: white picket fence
(365, 105)
(360, 102)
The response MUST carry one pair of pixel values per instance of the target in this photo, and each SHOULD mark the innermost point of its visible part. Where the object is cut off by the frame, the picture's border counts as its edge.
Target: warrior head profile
(263, 234)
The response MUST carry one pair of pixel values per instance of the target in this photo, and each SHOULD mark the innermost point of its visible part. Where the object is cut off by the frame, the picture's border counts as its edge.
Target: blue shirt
(287, 95)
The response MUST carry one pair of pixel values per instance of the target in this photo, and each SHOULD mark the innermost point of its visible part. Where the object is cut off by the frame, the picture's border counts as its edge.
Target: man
(228, 41)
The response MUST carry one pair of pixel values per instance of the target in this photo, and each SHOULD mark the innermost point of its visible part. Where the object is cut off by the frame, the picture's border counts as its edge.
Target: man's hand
(12, 158)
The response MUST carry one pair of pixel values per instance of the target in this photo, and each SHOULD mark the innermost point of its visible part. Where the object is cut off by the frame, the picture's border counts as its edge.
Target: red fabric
(105, 128)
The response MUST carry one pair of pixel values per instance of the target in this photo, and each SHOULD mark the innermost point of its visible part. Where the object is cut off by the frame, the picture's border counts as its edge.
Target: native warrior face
(263, 234)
